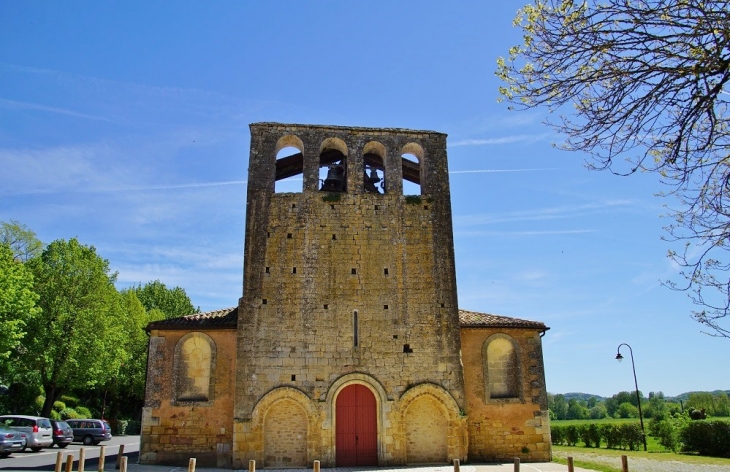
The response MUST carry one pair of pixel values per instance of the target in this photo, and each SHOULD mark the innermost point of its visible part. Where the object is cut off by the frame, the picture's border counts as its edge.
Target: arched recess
(289, 164)
(284, 419)
(432, 424)
(194, 366)
(412, 161)
(333, 165)
(374, 178)
(334, 391)
(502, 368)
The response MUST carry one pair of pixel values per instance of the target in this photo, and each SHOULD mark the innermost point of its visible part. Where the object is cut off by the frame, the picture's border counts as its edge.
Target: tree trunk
(52, 393)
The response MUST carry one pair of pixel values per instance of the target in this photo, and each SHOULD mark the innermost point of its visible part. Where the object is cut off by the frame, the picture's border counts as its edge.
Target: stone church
(348, 345)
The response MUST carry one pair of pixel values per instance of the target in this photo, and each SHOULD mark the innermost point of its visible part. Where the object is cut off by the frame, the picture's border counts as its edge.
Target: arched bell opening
(289, 165)
(333, 166)
(411, 159)
(374, 168)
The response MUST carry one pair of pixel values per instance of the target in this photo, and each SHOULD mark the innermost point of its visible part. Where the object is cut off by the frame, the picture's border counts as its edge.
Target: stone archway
(426, 428)
(285, 435)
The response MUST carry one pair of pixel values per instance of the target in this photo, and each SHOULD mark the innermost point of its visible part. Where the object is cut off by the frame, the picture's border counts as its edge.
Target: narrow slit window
(354, 272)
(268, 270)
(264, 301)
(355, 339)
(385, 271)
(294, 270)
(293, 377)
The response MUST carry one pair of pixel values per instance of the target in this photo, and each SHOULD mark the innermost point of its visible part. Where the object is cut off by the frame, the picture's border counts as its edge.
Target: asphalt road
(46, 458)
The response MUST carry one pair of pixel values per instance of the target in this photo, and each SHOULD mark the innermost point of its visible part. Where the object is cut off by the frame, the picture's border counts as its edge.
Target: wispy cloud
(523, 233)
(12, 104)
(541, 214)
(489, 171)
(519, 138)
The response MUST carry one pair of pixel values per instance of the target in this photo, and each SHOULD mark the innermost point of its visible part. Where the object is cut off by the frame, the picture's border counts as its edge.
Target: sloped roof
(227, 319)
(473, 319)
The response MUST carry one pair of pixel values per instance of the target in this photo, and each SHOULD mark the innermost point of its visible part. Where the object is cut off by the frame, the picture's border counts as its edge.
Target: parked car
(90, 431)
(38, 430)
(63, 435)
(11, 441)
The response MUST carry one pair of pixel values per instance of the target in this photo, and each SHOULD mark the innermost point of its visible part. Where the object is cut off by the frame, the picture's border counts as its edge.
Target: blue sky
(125, 124)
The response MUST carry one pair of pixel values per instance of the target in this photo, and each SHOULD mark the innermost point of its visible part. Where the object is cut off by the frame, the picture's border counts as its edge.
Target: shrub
(598, 412)
(631, 436)
(69, 414)
(557, 434)
(708, 438)
(667, 433)
(571, 435)
(55, 415)
(612, 435)
(58, 405)
(83, 412)
(134, 427)
(121, 427)
(627, 410)
(69, 400)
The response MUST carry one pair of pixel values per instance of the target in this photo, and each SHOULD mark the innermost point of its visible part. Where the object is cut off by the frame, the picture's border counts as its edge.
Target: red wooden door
(357, 427)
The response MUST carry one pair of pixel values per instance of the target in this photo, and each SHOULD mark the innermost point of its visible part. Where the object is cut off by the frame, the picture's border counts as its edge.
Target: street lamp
(619, 358)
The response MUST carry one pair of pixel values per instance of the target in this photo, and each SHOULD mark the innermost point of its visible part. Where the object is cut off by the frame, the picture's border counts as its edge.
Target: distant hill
(681, 397)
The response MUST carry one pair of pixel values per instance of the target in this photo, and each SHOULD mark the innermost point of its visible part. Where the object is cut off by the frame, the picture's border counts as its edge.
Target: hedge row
(707, 438)
(615, 436)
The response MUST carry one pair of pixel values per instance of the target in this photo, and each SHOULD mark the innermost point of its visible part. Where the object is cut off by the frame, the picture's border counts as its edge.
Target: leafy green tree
(21, 240)
(17, 305)
(76, 341)
(560, 407)
(722, 405)
(598, 412)
(124, 393)
(643, 87)
(657, 407)
(627, 410)
(576, 411)
(701, 400)
(173, 302)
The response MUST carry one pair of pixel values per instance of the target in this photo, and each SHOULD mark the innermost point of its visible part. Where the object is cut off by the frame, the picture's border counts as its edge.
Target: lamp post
(619, 358)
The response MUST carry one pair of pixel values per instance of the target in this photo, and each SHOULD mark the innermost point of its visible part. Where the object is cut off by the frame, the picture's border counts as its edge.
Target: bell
(335, 181)
(374, 176)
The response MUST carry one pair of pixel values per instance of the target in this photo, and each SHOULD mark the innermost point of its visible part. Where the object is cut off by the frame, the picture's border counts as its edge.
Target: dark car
(90, 431)
(63, 435)
(10, 441)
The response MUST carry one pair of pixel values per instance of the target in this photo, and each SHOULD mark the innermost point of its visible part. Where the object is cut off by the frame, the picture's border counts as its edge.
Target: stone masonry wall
(504, 428)
(173, 431)
(363, 283)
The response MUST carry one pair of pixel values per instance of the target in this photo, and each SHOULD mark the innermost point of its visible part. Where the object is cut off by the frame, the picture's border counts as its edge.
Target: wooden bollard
(252, 465)
(316, 466)
(120, 455)
(70, 463)
(191, 464)
(624, 464)
(457, 465)
(123, 464)
(82, 459)
(517, 464)
(102, 457)
(570, 464)
(59, 461)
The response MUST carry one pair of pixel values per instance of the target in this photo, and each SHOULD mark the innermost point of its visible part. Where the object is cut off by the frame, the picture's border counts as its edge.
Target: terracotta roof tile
(227, 319)
(472, 319)
(218, 319)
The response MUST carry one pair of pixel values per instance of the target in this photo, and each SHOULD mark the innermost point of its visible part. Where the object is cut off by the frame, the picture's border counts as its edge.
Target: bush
(55, 415)
(571, 435)
(121, 427)
(627, 410)
(667, 433)
(708, 438)
(612, 435)
(631, 436)
(134, 427)
(70, 401)
(557, 434)
(83, 412)
(69, 414)
(58, 405)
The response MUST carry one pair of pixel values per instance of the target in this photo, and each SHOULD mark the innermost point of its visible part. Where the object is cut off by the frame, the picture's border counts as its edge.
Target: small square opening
(354, 272)
(326, 306)
(293, 377)
(385, 307)
(385, 271)
(264, 301)
(267, 270)
(288, 236)
(407, 348)
(334, 237)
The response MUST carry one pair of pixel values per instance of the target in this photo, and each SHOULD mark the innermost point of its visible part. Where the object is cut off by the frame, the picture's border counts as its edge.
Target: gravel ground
(645, 465)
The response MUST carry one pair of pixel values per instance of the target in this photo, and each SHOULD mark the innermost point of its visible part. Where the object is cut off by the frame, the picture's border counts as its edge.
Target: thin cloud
(33, 106)
(128, 189)
(522, 138)
(489, 171)
(524, 233)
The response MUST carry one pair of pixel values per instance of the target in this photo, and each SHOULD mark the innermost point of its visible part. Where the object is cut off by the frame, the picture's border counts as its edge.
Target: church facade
(348, 345)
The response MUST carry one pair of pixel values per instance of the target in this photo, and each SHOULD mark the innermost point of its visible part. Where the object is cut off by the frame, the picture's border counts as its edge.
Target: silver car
(38, 430)
(11, 441)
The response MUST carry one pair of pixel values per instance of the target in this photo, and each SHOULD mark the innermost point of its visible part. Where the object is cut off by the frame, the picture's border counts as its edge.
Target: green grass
(601, 421)
(659, 456)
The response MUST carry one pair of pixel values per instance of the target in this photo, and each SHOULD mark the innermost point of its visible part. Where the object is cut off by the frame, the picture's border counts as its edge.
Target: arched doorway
(357, 427)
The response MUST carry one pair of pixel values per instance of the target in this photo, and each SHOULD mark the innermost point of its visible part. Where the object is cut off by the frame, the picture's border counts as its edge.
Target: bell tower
(347, 277)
